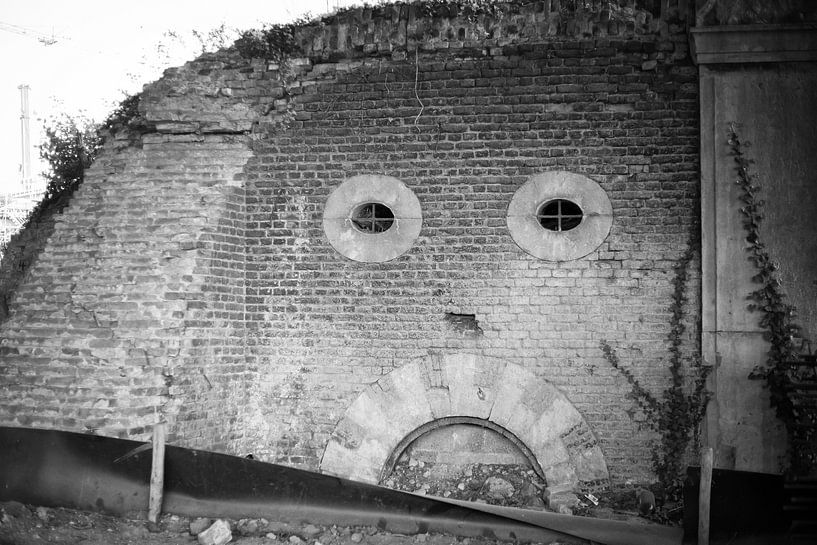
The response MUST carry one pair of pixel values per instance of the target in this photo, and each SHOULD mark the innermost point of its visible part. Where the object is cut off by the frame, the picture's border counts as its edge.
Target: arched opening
(477, 436)
(466, 458)
(508, 396)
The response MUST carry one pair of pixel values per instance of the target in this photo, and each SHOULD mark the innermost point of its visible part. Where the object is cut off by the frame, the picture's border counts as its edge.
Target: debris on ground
(217, 534)
(516, 485)
(506, 485)
(32, 525)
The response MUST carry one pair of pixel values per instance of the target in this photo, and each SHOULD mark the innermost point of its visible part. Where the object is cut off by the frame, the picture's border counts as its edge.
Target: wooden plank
(705, 496)
(157, 473)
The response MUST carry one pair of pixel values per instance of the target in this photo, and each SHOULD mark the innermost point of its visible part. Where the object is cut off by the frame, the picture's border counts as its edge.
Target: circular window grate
(559, 215)
(372, 218)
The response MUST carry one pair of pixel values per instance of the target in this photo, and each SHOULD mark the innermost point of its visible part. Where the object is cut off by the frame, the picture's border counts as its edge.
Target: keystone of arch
(457, 385)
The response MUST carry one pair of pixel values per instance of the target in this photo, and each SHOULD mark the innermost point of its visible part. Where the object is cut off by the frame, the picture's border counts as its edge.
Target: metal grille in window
(372, 217)
(560, 215)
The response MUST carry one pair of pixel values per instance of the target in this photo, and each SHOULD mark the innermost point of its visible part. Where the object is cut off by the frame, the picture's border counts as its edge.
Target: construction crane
(44, 39)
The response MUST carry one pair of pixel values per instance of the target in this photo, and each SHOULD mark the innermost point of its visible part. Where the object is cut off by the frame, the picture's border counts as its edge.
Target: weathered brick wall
(464, 127)
(191, 278)
(21, 252)
(118, 302)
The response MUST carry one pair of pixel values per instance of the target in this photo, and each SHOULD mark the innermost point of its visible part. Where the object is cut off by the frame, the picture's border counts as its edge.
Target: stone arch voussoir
(465, 385)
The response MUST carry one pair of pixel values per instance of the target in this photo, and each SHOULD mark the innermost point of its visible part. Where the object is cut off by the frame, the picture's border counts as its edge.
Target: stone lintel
(754, 43)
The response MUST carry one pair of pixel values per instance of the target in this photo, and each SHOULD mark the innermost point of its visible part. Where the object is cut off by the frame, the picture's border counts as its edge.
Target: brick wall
(190, 278)
(120, 298)
(464, 128)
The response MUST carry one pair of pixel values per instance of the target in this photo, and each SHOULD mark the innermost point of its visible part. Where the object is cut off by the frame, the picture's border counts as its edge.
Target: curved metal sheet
(63, 469)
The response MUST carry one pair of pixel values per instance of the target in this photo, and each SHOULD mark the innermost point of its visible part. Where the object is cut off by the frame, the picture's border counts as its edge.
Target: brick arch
(440, 387)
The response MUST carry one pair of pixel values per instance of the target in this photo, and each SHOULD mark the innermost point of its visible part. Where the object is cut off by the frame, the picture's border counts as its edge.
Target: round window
(372, 218)
(559, 216)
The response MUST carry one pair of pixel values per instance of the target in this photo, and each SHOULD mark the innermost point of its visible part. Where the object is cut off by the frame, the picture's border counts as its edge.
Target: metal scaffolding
(14, 209)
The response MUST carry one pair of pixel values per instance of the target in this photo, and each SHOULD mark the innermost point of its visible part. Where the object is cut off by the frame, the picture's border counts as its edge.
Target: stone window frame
(528, 233)
(364, 247)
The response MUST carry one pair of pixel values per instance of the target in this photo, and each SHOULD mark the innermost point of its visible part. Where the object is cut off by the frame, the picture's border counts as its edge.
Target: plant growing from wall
(675, 415)
(777, 318)
(273, 43)
(70, 146)
(126, 114)
(276, 43)
(470, 9)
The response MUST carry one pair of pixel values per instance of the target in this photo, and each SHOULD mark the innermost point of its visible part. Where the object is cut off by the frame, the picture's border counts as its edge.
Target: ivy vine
(675, 415)
(783, 362)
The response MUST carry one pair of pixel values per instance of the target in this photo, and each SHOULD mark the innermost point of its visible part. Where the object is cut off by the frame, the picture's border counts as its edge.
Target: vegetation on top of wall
(279, 41)
(126, 114)
(467, 8)
(70, 146)
(784, 364)
(496, 8)
(274, 42)
(677, 414)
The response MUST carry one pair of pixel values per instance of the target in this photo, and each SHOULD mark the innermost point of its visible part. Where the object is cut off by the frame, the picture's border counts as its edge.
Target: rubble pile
(509, 485)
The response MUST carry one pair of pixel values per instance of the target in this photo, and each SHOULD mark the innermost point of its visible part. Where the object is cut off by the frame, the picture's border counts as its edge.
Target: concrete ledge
(754, 44)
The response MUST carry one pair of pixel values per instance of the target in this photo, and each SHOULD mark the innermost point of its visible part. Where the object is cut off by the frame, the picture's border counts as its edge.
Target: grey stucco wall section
(768, 98)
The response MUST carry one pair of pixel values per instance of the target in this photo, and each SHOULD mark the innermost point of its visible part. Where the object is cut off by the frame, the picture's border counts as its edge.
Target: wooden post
(157, 473)
(705, 496)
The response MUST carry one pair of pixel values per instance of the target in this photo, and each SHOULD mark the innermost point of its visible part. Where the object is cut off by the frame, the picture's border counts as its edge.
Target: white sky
(104, 49)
